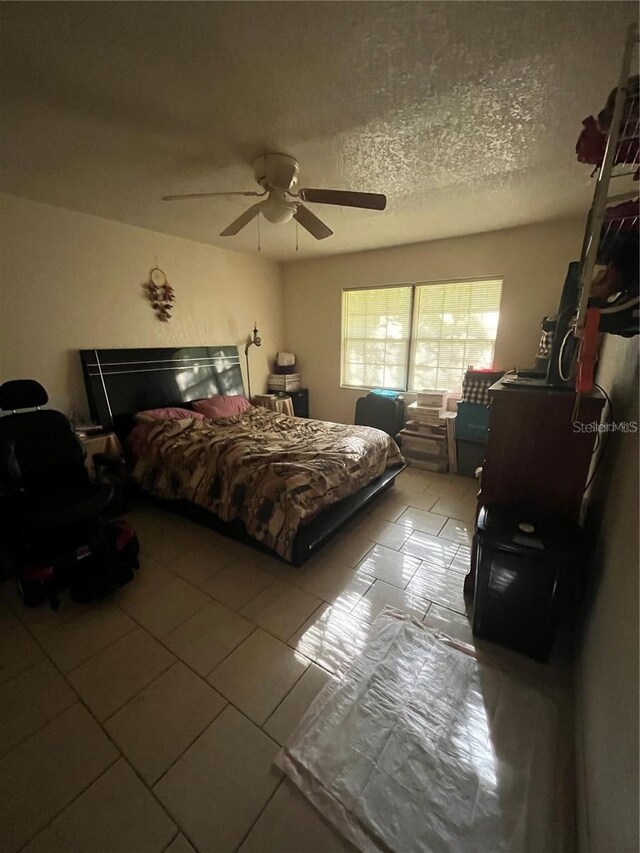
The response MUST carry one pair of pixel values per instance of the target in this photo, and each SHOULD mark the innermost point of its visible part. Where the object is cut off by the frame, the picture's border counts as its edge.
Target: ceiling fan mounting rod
(276, 171)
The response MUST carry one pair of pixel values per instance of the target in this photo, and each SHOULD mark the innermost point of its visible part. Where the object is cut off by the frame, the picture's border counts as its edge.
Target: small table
(282, 405)
(107, 443)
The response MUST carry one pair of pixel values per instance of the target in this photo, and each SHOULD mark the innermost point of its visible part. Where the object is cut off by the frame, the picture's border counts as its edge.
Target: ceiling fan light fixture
(277, 209)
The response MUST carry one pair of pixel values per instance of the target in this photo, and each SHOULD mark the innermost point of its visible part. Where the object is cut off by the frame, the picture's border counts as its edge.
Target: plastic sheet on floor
(417, 747)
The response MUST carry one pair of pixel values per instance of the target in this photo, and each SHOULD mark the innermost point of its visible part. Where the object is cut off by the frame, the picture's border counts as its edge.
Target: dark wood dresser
(538, 451)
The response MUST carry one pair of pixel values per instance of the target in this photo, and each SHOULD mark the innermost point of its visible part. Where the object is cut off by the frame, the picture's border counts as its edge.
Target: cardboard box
(436, 397)
(425, 414)
(413, 443)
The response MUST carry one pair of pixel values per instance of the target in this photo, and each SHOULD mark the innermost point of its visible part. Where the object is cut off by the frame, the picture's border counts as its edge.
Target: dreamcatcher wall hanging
(160, 294)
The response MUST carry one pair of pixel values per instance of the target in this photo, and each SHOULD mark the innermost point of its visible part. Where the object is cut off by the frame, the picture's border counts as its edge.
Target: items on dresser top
(285, 363)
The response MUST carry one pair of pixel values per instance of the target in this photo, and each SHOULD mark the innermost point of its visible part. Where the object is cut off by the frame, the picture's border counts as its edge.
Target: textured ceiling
(464, 114)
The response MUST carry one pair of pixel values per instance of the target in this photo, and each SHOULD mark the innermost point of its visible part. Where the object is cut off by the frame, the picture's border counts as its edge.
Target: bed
(283, 484)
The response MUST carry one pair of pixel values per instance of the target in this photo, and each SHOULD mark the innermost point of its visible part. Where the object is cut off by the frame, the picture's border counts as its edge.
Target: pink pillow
(138, 439)
(220, 406)
(168, 413)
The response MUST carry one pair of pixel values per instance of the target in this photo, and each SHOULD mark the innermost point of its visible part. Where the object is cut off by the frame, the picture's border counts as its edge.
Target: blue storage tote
(470, 456)
(472, 422)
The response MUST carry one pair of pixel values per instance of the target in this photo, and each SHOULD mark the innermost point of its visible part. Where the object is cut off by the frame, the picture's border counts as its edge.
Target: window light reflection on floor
(332, 639)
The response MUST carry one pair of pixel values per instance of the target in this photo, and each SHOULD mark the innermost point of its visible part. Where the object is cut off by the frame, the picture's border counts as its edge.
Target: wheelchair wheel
(32, 592)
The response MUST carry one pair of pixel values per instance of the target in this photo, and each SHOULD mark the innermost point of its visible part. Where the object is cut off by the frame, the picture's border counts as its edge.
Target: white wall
(71, 281)
(608, 664)
(532, 260)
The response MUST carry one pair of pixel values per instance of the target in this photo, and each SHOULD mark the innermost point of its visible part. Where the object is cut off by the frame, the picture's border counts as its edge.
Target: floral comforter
(270, 471)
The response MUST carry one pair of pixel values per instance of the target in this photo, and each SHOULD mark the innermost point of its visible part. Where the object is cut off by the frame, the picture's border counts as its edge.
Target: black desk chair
(48, 504)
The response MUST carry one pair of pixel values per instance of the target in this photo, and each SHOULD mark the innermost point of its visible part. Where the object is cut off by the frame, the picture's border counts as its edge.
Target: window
(376, 330)
(455, 326)
(418, 336)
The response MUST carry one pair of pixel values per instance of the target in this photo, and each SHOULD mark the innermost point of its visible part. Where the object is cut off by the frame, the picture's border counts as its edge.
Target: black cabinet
(300, 400)
(525, 563)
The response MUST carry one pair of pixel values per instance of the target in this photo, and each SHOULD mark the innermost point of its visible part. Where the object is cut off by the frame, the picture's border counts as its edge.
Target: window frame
(413, 317)
(396, 286)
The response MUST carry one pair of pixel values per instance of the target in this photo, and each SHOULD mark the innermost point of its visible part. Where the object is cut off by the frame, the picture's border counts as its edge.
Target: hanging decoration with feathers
(160, 294)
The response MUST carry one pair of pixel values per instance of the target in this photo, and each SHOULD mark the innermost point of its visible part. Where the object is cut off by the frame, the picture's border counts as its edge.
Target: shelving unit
(620, 161)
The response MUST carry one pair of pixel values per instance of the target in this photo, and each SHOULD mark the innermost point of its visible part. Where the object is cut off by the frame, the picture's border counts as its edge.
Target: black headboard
(120, 382)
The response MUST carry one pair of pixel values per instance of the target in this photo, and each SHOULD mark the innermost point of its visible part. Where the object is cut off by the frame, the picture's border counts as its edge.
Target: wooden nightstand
(106, 443)
(275, 402)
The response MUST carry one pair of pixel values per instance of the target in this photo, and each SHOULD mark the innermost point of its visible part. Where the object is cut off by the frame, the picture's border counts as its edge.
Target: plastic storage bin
(524, 565)
(472, 422)
(470, 456)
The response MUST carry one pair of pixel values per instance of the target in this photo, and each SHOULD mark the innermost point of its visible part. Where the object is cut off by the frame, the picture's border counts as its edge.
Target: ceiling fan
(277, 174)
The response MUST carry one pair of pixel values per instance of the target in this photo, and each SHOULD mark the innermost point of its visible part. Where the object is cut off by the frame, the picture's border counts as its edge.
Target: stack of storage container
(283, 383)
(424, 437)
(472, 421)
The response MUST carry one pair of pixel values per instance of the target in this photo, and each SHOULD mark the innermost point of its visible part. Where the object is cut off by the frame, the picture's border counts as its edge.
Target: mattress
(272, 472)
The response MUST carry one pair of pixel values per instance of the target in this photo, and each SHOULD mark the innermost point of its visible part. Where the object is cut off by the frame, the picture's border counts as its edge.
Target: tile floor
(149, 722)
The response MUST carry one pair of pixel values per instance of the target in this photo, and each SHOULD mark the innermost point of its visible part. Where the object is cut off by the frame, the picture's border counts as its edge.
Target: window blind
(455, 325)
(376, 334)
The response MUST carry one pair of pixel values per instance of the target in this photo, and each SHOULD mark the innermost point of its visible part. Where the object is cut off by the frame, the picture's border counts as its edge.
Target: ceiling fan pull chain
(259, 246)
(296, 235)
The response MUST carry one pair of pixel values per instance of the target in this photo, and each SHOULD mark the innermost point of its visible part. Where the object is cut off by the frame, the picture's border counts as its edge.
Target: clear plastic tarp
(418, 747)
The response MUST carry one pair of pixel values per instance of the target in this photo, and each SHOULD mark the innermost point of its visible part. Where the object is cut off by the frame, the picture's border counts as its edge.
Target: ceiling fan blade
(239, 223)
(371, 201)
(204, 195)
(311, 223)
